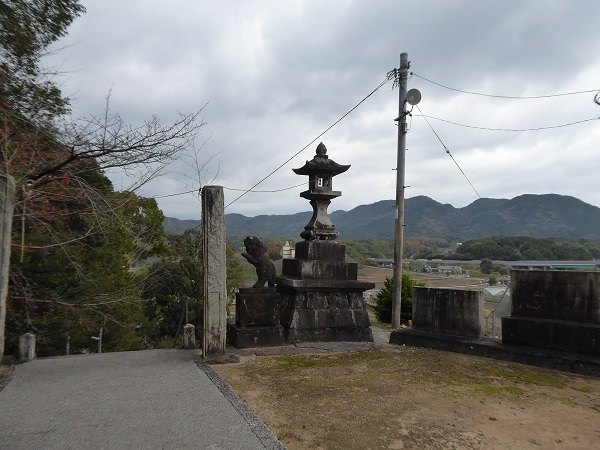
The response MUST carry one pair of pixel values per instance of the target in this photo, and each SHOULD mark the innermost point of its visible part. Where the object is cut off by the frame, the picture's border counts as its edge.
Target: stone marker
(214, 261)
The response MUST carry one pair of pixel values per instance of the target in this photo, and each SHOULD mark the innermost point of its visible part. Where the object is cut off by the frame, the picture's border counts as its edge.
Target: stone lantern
(320, 171)
(321, 297)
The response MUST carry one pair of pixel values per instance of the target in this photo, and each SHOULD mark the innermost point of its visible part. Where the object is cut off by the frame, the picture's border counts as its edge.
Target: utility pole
(402, 80)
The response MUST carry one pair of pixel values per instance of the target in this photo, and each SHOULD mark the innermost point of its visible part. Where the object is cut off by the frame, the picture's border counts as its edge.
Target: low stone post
(26, 347)
(189, 336)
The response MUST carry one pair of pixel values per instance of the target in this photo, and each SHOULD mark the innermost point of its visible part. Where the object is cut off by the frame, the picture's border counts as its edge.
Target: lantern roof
(321, 164)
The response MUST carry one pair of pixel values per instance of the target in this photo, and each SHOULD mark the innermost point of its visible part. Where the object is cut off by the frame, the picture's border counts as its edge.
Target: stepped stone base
(575, 337)
(324, 316)
(257, 317)
(321, 299)
(257, 307)
(249, 337)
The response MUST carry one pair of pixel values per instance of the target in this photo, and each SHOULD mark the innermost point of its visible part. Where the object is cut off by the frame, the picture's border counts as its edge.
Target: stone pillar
(189, 336)
(7, 200)
(214, 262)
(26, 347)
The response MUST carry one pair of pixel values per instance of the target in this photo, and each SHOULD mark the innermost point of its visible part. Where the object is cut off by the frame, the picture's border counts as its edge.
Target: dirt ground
(378, 275)
(403, 397)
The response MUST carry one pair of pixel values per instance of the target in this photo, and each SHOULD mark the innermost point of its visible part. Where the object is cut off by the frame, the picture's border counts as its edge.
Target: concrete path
(154, 399)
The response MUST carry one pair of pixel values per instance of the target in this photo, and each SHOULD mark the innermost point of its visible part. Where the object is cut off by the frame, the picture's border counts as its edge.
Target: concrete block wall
(556, 294)
(554, 309)
(456, 312)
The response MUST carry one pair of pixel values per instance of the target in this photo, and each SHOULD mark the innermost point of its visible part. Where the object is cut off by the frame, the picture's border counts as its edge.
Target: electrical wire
(469, 181)
(448, 151)
(175, 195)
(267, 192)
(231, 189)
(504, 96)
(385, 81)
(510, 129)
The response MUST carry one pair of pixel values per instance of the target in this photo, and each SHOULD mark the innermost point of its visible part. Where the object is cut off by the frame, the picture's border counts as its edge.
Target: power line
(387, 79)
(448, 152)
(509, 129)
(469, 181)
(504, 96)
(266, 192)
(232, 189)
(175, 195)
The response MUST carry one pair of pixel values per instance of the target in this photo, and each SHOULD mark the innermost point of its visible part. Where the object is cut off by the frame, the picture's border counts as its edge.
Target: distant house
(288, 252)
(384, 263)
(450, 270)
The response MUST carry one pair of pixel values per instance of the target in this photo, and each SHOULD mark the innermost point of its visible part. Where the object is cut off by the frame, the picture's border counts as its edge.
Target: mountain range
(539, 216)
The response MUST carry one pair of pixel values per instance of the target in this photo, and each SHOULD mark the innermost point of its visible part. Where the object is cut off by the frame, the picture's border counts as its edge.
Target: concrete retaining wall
(554, 309)
(448, 311)
(556, 294)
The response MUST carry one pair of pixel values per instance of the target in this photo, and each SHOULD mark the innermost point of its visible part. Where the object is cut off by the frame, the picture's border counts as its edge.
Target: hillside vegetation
(520, 247)
(538, 216)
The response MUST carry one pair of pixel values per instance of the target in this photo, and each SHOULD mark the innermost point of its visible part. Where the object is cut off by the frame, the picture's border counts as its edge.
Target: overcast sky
(275, 74)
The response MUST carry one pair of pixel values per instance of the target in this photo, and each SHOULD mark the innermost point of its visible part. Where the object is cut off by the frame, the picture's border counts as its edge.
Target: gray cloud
(276, 74)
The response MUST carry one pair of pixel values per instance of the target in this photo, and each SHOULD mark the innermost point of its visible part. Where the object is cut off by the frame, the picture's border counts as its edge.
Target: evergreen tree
(27, 29)
(486, 266)
(235, 274)
(169, 288)
(384, 300)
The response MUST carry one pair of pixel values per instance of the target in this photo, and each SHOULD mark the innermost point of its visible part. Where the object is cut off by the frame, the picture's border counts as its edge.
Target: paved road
(155, 399)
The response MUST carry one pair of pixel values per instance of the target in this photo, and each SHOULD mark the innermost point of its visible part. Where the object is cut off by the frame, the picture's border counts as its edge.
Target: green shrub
(383, 302)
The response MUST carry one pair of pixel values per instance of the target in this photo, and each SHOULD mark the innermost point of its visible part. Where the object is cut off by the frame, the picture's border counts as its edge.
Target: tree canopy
(522, 247)
(74, 238)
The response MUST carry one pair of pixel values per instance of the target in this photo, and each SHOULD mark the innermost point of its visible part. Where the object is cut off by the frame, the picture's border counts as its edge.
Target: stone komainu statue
(256, 255)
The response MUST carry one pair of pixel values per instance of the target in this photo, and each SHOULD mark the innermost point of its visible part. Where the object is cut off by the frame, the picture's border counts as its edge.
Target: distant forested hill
(539, 216)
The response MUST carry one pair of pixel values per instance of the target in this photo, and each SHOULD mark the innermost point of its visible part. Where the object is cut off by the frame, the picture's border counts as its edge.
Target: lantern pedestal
(321, 299)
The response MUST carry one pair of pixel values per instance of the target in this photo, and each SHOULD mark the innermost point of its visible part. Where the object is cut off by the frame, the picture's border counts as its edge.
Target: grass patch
(582, 389)
(516, 373)
(499, 390)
